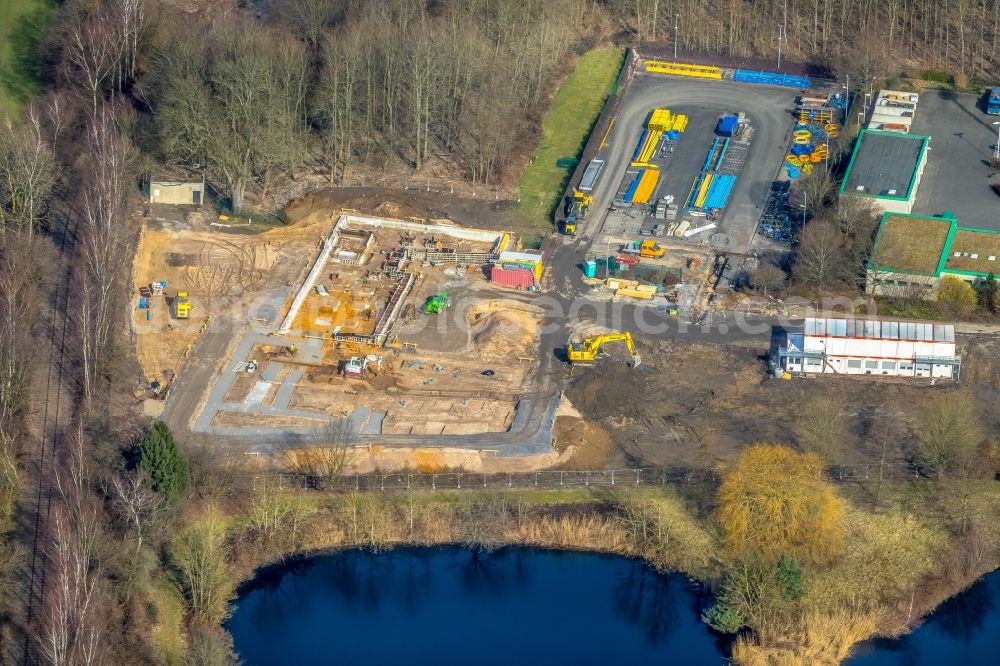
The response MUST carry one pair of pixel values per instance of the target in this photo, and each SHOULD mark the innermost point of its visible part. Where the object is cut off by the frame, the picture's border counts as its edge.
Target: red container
(516, 278)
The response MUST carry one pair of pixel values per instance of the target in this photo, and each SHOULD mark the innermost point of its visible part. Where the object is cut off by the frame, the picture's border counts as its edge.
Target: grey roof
(884, 162)
(882, 330)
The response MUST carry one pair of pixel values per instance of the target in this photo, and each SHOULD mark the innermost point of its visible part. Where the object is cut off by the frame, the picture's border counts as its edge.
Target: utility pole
(676, 19)
(781, 36)
(847, 102)
(782, 29)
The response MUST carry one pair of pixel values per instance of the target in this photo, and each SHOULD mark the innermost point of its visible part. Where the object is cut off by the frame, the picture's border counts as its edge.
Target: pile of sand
(503, 328)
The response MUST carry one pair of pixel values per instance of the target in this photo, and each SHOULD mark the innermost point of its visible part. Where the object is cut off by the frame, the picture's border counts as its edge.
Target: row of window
(868, 365)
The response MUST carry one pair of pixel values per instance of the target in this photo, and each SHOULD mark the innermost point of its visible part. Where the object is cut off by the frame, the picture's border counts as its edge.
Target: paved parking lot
(957, 177)
(768, 108)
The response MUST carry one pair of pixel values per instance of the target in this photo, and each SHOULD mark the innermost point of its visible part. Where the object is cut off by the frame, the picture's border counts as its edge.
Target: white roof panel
(878, 330)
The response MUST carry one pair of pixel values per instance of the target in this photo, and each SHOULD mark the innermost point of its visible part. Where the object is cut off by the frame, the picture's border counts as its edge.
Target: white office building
(869, 347)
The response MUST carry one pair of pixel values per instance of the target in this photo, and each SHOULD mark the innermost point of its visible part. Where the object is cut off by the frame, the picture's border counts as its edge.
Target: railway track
(54, 414)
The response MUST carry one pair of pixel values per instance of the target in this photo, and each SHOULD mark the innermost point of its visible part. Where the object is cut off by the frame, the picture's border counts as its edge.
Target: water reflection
(557, 607)
(965, 629)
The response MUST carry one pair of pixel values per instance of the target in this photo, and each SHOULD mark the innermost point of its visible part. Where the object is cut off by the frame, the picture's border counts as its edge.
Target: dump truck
(182, 305)
(586, 350)
(646, 248)
(576, 212)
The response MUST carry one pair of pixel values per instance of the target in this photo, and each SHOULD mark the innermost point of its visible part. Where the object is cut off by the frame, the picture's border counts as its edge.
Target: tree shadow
(21, 75)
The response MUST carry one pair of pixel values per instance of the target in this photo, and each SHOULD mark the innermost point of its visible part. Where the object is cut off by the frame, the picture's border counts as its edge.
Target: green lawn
(22, 26)
(565, 130)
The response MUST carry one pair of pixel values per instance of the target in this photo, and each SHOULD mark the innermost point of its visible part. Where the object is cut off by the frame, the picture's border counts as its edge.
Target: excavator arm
(586, 351)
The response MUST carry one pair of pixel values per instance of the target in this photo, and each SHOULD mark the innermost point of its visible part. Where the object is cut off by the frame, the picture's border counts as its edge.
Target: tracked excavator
(586, 350)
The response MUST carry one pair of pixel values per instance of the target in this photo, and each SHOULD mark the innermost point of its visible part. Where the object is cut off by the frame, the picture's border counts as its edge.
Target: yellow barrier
(703, 190)
(683, 69)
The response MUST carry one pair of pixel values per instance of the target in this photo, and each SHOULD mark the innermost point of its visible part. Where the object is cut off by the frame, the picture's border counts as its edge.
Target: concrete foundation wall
(464, 233)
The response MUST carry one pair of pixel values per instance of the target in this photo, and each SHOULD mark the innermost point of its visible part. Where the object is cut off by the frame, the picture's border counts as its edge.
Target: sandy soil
(379, 459)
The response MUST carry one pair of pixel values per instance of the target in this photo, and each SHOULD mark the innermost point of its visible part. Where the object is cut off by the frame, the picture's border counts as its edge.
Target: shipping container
(514, 278)
(727, 125)
(590, 175)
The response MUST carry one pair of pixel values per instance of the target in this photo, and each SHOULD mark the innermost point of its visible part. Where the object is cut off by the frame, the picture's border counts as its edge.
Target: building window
(853, 364)
(813, 363)
(889, 365)
(871, 365)
(905, 366)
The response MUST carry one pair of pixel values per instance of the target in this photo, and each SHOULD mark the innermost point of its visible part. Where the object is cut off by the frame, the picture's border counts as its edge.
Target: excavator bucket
(636, 360)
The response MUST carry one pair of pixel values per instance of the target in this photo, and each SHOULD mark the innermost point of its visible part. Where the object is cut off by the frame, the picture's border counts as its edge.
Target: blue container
(727, 125)
(590, 268)
(793, 172)
(143, 303)
(673, 135)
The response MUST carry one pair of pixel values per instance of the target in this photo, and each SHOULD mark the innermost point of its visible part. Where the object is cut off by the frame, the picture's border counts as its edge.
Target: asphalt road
(769, 110)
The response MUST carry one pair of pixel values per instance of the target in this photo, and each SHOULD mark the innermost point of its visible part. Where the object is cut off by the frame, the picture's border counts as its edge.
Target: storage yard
(689, 156)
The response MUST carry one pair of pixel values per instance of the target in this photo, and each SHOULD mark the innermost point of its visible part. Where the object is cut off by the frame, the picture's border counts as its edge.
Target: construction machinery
(356, 366)
(647, 248)
(182, 305)
(437, 302)
(586, 350)
(576, 212)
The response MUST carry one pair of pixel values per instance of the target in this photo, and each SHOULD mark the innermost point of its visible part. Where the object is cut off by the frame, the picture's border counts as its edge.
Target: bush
(957, 295)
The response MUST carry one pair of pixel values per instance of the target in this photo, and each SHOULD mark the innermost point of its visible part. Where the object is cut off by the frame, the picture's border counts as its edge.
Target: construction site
(391, 325)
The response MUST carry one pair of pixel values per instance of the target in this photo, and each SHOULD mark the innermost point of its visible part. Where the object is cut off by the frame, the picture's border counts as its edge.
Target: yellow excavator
(586, 350)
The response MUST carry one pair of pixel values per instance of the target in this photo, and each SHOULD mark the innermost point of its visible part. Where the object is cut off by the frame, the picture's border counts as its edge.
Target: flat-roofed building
(871, 347)
(913, 252)
(886, 167)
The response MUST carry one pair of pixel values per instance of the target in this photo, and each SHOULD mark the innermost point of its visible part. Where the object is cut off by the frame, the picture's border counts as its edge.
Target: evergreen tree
(160, 459)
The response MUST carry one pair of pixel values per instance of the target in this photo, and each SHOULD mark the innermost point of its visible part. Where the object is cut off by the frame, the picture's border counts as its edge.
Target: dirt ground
(700, 405)
(424, 391)
(486, 213)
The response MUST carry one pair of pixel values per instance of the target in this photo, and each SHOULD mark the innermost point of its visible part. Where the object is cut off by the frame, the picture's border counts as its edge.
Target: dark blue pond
(450, 606)
(964, 630)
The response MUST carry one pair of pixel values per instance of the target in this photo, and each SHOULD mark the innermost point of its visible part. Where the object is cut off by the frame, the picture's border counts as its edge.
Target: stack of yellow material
(647, 186)
(680, 123)
(649, 147)
(661, 120)
(706, 183)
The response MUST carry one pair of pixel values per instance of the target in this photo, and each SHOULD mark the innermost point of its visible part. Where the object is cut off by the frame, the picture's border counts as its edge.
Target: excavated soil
(700, 405)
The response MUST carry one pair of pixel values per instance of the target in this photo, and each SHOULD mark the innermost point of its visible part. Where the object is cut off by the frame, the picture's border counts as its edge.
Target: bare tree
(27, 172)
(820, 256)
(72, 630)
(20, 299)
(136, 504)
(325, 458)
(949, 434)
(823, 427)
(103, 246)
(93, 52)
(767, 277)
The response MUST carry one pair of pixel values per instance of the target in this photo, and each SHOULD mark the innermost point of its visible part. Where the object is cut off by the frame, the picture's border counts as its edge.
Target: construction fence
(553, 479)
